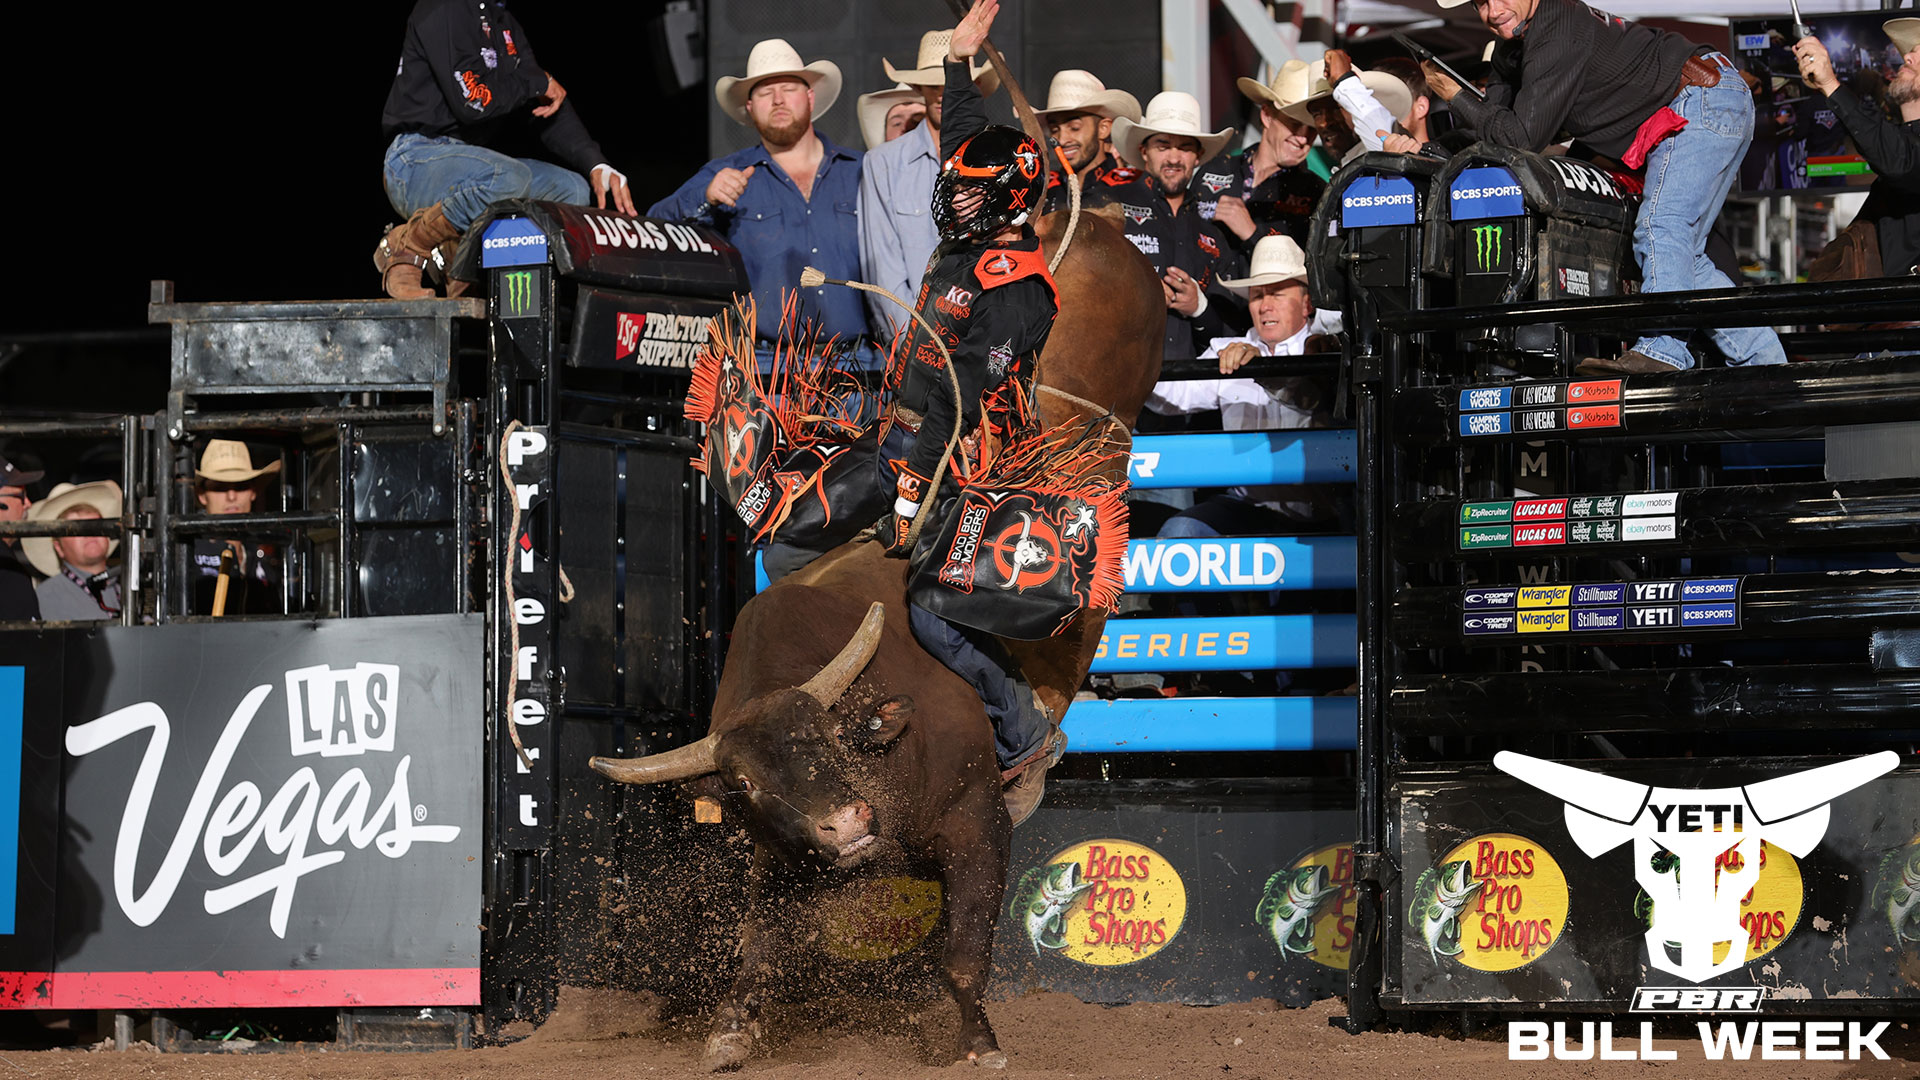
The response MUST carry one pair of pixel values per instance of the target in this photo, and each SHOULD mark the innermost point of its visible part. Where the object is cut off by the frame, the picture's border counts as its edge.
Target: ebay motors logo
(351, 712)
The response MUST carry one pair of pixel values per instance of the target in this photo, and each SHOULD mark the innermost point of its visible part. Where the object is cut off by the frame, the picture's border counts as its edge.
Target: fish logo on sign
(1697, 907)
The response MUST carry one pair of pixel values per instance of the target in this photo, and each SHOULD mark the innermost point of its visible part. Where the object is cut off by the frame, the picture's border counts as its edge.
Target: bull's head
(790, 762)
(1696, 851)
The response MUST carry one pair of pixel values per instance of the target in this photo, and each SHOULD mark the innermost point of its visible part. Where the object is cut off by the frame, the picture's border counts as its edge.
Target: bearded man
(789, 201)
(1891, 146)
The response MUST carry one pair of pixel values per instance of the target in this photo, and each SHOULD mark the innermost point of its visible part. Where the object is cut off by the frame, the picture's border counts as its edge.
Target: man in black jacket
(467, 82)
(1638, 94)
(17, 599)
(1893, 149)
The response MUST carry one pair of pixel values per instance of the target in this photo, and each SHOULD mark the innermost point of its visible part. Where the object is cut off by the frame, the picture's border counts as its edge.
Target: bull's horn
(1604, 796)
(833, 680)
(680, 763)
(1796, 793)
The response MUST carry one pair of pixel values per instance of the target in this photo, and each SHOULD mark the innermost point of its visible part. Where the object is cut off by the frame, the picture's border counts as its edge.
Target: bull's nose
(848, 823)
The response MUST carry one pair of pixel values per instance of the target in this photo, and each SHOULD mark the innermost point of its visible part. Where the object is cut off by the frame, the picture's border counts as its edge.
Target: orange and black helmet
(1007, 168)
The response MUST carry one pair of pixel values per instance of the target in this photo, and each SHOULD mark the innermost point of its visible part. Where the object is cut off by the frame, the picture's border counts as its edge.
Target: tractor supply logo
(877, 920)
(1697, 853)
(1487, 243)
(348, 712)
(1768, 912)
(1494, 903)
(658, 339)
(1575, 282)
(1102, 902)
(517, 297)
(1307, 910)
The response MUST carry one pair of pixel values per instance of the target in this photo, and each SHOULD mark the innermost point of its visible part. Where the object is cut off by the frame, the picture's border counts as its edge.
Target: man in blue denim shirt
(790, 202)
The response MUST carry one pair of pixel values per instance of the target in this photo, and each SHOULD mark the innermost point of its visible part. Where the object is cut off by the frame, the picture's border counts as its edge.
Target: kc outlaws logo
(1101, 902)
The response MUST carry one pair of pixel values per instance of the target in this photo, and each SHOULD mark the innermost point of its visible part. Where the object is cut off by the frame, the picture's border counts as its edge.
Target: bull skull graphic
(1697, 905)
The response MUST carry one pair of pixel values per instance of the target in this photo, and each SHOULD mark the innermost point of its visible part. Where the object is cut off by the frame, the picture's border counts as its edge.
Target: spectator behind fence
(885, 115)
(1079, 116)
(1373, 103)
(1187, 252)
(897, 233)
(1267, 190)
(227, 483)
(17, 600)
(1283, 322)
(790, 200)
(467, 81)
(79, 586)
(1884, 238)
(1416, 134)
(1642, 95)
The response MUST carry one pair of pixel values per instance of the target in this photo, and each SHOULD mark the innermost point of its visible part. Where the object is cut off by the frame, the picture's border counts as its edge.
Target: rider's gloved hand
(910, 492)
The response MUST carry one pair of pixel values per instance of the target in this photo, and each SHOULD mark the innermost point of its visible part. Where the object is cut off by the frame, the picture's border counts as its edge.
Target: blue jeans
(466, 179)
(1019, 727)
(1688, 177)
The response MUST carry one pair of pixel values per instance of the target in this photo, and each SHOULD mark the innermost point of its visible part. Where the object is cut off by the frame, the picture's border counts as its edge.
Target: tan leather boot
(403, 252)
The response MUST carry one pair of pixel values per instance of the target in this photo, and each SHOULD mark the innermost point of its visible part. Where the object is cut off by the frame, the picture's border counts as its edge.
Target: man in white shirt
(1284, 319)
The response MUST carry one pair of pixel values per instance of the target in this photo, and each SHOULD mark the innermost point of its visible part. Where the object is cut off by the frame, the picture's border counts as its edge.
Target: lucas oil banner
(244, 815)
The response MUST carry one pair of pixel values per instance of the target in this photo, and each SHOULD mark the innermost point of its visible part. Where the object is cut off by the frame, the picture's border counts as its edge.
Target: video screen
(1799, 145)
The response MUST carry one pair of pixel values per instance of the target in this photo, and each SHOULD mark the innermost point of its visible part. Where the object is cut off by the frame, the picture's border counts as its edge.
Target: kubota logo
(518, 293)
(1696, 852)
(1486, 247)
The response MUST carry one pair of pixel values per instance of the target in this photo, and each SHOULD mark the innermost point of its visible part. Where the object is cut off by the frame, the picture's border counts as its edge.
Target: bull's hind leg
(973, 878)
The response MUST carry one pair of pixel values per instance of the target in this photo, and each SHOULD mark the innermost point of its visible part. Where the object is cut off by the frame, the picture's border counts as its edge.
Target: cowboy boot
(441, 270)
(405, 249)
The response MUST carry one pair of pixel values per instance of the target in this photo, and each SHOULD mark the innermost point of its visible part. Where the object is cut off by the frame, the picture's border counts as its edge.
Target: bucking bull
(842, 745)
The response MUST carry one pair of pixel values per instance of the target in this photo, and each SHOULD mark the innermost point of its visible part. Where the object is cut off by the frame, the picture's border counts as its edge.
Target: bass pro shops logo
(1488, 241)
(1697, 852)
(350, 712)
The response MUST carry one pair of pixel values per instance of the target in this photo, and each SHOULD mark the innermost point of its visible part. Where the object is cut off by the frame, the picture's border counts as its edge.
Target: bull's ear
(883, 725)
(707, 786)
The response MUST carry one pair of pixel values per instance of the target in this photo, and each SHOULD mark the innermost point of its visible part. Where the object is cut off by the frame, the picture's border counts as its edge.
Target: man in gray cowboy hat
(1187, 251)
(17, 601)
(790, 200)
(897, 234)
(225, 482)
(79, 587)
(1893, 149)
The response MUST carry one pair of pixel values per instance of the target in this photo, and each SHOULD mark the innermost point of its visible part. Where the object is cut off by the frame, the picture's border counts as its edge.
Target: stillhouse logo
(517, 296)
(1100, 902)
(1494, 903)
(1307, 909)
(1487, 243)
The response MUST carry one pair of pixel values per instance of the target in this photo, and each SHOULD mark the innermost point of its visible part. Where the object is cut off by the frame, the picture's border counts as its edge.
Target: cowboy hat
(1077, 91)
(1169, 113)
(930, 67)
(1904, 33)
(1296, 83)
(227, 461)
(12, 475)
(774, 57)
(1275, 259)
(873, 109)
(102, 495)
(1388, 90)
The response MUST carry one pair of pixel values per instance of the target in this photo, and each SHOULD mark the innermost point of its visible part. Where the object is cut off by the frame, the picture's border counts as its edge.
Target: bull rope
(506, 584)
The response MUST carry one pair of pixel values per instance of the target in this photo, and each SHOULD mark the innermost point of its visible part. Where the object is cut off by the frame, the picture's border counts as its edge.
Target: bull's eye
(745, 784)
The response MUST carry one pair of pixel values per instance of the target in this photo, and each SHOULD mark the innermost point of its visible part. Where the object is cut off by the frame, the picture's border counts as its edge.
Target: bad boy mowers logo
(1101, 902)
(1711, 839)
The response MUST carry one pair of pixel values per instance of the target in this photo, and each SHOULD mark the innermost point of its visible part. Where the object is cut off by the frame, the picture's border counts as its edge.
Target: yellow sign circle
(1100, 902)
(1771, 909)
(1307, 910)
(1494, 903)
(878, 919)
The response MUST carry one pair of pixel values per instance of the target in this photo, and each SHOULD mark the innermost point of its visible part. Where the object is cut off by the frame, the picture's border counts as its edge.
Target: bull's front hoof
(988, 1059)
(728, 1050)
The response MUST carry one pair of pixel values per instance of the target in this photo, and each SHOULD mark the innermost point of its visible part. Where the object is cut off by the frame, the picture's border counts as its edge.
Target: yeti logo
(1696, 905)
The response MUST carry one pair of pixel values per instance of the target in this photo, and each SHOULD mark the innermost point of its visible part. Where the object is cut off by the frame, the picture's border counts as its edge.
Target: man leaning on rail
(1640, 95)
(1893, 149)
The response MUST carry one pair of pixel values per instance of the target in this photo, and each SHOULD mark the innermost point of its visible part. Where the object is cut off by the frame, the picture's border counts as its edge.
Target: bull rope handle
(506, 585)
(227, 568)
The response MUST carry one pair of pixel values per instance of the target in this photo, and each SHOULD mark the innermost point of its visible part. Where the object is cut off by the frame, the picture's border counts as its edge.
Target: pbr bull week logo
(1104, 903)
(1720, 887)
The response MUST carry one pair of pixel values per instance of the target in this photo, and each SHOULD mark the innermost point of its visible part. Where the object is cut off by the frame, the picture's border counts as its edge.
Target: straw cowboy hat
(1905, 33)
(227, 461)
(1169, 113)
(1275, 259)
(930, 67)
(873, 109)
(774, 57)
(102, 495)
(1296, 83)
(1077, 91)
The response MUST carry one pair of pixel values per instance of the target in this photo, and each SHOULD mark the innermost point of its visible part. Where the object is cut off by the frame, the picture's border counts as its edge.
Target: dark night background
(236, 149)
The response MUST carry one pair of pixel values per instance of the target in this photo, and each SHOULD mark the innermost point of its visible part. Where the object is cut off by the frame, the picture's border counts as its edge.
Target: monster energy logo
(517, 293)
(1486, 246)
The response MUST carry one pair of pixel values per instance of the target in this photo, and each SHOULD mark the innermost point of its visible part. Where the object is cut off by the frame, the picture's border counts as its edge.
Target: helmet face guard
(1006, 168)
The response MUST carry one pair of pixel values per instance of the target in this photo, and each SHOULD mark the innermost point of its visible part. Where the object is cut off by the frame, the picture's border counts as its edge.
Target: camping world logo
(516, 294)
(1487, 241)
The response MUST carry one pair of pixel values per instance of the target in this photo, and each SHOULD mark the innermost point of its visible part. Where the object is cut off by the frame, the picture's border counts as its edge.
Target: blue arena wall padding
(1246, 643)
(1205, 724)
(1236, 458)
(1231, 565)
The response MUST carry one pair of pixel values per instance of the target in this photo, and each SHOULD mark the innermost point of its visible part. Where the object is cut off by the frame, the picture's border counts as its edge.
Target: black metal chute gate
(1684, 605)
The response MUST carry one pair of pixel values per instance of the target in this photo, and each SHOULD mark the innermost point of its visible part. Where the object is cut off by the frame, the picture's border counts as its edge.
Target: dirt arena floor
(1047, 1036)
